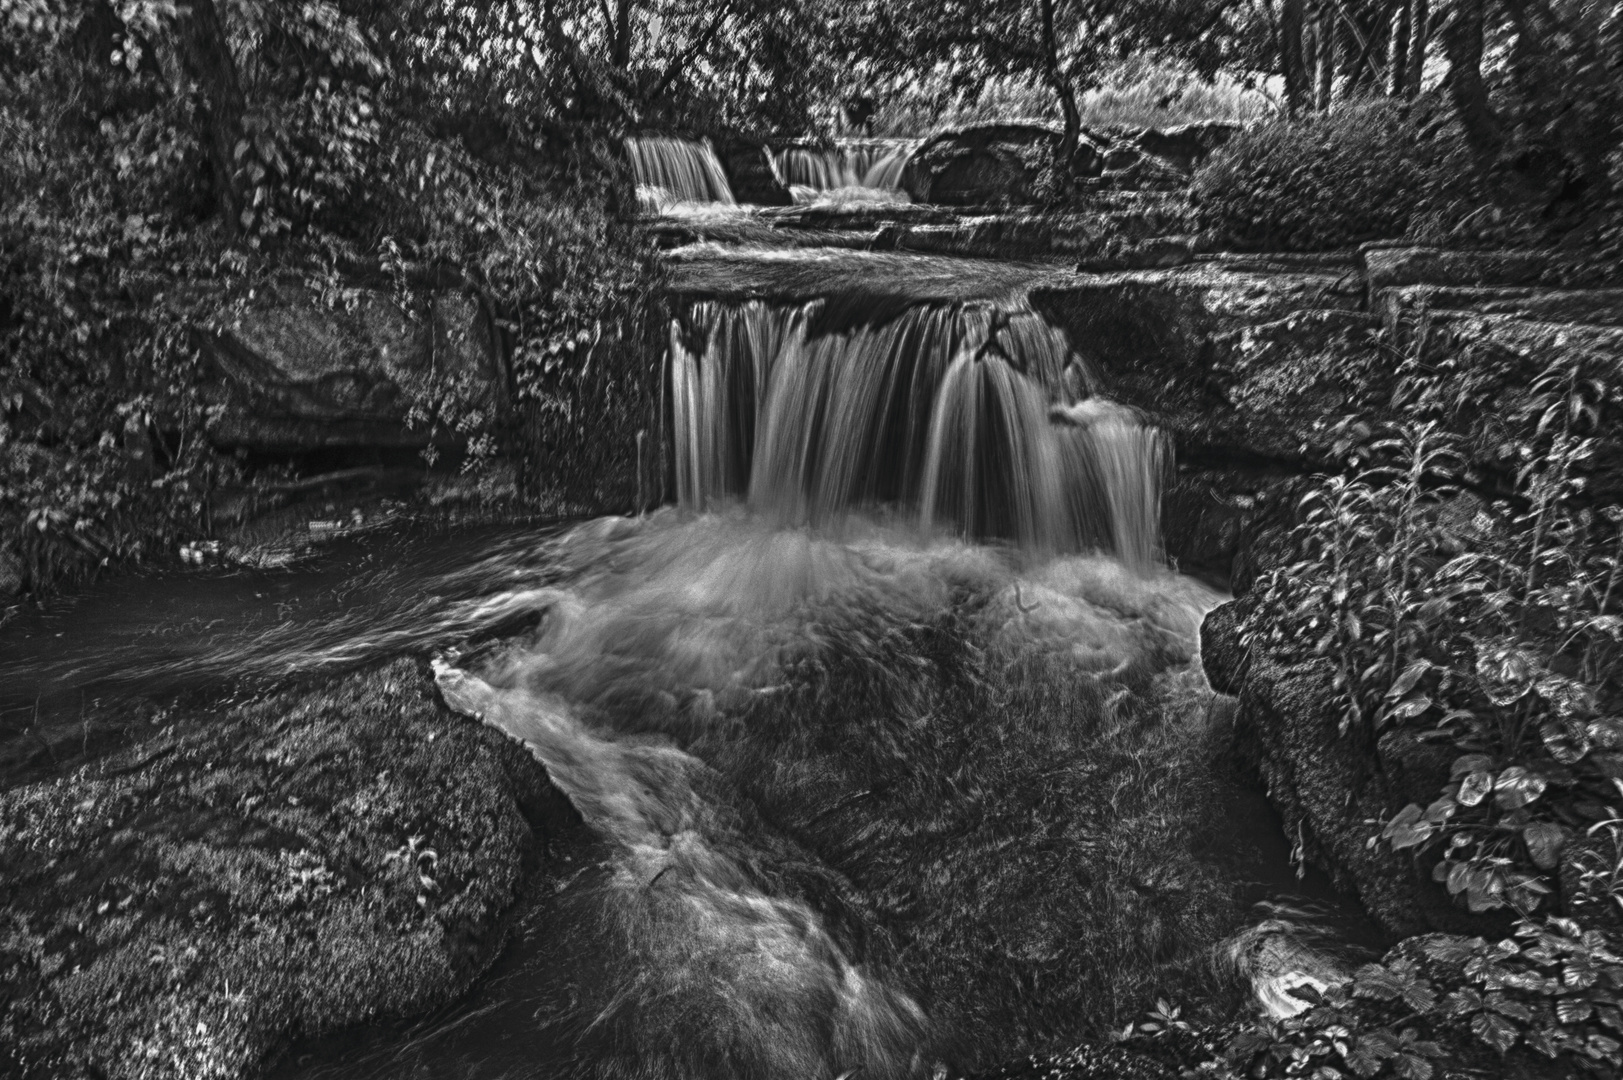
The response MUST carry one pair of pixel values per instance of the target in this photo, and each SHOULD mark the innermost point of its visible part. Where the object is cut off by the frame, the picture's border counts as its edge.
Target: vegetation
(1334, 180)
(1520, 151)
(1494, 627)
(1545, 999)
(1460, 585)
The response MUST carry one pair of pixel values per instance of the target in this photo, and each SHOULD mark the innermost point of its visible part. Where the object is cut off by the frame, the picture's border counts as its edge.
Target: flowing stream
(851, 170)
(890, 733)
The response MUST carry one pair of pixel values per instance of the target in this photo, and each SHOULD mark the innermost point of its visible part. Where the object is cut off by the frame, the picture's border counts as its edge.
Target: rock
(991, 165)
(1328, 785)
(258, 873)
(1591, 307)
(1386, 267)
(1169, 343)
(1184, 148)
(293, 374)
(1153, 253)
(748, 165)
(1121, 156)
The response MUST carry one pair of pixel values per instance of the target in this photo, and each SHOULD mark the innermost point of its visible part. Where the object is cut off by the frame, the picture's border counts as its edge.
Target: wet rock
(1173, 343)
(991, 165)
(748, 165)
(1328, 784)
(294, 373)
(260, 872)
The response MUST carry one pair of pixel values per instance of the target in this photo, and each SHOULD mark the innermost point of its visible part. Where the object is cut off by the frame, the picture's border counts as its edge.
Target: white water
(674, 172)
(964, 417)
(832, 478)
(849, 171)
(677, 621)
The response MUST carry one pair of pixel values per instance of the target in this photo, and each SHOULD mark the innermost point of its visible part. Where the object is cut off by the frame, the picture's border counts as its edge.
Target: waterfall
(673, 171)
(872, 167)
(970, 417)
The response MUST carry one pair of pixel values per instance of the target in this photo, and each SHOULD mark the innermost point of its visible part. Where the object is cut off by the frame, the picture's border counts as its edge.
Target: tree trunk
(1325, 39)
(1397, 51)
(1462, 44)
(1419, 36)
(208, 58)
(620, 55)
(1064, 91)
(1292, 63)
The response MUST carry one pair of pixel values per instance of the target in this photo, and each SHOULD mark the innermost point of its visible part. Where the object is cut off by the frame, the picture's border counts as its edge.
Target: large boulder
(294, 371)
(991, 165)
(255, 874)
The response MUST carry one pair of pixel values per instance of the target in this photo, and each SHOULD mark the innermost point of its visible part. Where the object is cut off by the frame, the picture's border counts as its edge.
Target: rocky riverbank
(257, 872)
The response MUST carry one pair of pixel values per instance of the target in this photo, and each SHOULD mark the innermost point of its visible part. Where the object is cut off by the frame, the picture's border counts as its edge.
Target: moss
(261, 872)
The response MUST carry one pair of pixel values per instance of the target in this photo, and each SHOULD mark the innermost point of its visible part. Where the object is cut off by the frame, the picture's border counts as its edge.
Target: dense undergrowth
(1461, 583)
(366, 154)
(1525, 151)
(1333, 180)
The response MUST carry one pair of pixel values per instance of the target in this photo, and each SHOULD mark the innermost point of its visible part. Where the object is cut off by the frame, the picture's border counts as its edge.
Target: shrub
(1366, 171)
(1441, 1003)
(113, 259)
(1497, 628)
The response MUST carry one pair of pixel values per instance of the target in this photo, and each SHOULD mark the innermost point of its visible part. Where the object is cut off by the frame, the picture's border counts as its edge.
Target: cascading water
(966, 415)
(871, 169)
(672, 172)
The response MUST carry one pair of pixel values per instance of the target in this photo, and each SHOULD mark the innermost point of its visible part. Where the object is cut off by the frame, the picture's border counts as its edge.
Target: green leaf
(1484, 890)
(1410, 708)
(1469, 763)
(1510, 1007)
(1441, 810)
(1475, 787)
(1574, 1010)
(1375, 981)
(1411, 675)
(1412, 1067)
(1462, 1002)
(1544, 840)
(1516, 787)
(1494, 1030)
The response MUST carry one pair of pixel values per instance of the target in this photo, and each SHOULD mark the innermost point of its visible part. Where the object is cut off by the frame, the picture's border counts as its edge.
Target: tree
(1065, 45)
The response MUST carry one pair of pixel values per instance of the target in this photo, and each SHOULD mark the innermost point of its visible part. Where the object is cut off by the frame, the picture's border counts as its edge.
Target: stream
(889, 729)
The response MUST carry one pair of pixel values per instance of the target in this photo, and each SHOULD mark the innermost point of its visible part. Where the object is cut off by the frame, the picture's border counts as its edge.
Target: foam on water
(671, 623)
(672, 172)
(966, 415)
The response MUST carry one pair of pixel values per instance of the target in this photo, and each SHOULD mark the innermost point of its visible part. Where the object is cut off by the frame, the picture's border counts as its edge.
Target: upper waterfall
(975, 418)
(871, 166)
(671, 170)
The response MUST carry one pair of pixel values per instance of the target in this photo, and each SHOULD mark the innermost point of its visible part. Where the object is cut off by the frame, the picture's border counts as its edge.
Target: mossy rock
(261, 872)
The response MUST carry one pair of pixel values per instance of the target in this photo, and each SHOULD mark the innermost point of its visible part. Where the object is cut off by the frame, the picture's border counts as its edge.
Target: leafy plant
(1550, 992)
(1367, 171)
(1495, 628)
